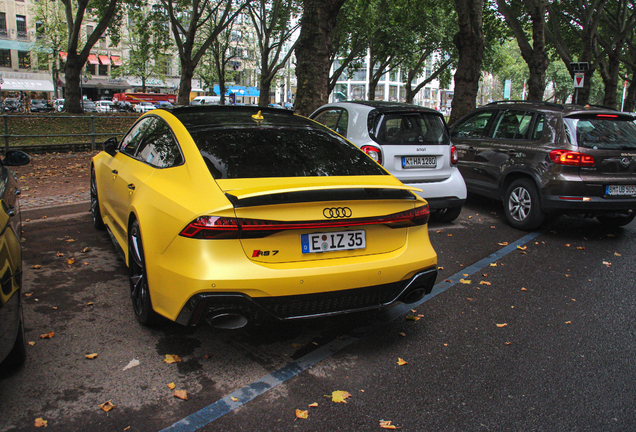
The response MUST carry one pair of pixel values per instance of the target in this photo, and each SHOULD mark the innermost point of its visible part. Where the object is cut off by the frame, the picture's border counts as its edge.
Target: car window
(159, 148)
(513, 124)
(475, 126)
(602, 131)
(537, 130)
(336, 119)
(134, 137)
(410, 128)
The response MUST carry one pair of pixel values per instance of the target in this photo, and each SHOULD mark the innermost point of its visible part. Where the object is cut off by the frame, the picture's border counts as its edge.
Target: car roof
(385, 106)
(566, 109)
(213, 116)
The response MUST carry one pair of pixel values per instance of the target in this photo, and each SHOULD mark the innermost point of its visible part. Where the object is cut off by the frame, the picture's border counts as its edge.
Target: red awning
(92, 59)
(63, 55)
(116, 60)
(103, 59)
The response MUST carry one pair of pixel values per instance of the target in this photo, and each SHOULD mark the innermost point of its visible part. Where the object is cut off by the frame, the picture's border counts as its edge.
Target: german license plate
(333, 241)
(620, 190)
(419, 162)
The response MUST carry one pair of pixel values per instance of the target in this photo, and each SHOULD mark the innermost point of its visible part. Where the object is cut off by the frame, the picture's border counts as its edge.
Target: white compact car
(409, 141)
(104, 106)
(143, 107)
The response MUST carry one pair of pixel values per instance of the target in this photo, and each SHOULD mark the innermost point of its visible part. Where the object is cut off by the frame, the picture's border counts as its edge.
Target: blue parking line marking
(244, 395)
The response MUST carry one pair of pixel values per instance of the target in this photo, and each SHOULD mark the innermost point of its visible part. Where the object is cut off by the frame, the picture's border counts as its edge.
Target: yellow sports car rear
(230, 215)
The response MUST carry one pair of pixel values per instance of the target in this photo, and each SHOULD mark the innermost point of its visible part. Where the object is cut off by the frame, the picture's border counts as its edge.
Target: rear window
(409, 129)
(254, 152)
(602, 131)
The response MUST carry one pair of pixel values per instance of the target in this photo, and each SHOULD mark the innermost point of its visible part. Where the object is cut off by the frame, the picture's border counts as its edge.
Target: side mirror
(110, 146)
(16, 158)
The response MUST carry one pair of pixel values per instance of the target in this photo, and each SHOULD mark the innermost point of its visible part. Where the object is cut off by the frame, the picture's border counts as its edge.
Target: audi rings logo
(337, 212)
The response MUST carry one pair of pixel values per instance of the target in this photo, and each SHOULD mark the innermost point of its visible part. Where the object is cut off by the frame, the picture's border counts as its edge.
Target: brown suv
(544, 159)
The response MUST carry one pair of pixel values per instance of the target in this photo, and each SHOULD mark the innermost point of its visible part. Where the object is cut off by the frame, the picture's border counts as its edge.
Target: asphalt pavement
(524, 332)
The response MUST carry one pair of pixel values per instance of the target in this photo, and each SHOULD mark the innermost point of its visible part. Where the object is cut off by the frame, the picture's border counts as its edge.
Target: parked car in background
(542, 159)
(89, 106)
(163, 104)
(123, 106)
(41, 105)
(11, 105)
(12, 340)
(104, 106)
(409, 141)
(206, 100)
(58, 105)
(143, 107)
(231, 214)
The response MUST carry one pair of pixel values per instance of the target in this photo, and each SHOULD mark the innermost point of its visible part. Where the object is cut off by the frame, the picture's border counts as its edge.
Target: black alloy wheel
(98, 222)
(139, 292)
(522, 205)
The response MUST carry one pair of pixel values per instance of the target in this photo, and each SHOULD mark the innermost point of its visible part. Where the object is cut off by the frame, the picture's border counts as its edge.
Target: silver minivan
(409, 141)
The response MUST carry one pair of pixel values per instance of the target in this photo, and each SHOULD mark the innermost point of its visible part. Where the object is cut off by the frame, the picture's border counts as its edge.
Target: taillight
(222, 228)
(454, 155)
(570, 158)
(373, 152)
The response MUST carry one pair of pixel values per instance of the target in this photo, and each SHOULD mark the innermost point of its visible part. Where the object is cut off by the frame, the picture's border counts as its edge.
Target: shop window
(24, 59)
(3, 24)
(21, 26)
(5, 58)
(103, 69)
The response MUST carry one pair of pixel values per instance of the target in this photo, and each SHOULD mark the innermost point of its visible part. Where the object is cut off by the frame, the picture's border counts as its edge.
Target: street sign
(579, 80)
(507, 86)
(580, 67)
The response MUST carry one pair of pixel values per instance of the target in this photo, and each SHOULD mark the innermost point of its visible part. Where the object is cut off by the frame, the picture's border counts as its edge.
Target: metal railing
(91, 134)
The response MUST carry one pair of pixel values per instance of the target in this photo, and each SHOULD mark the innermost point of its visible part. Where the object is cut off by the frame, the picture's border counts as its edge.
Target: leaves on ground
(465, 281)
(172, 358)
(107, 406)
(313, 405)
(412, 318)
(501, 325)
(339, 396)
(133, 363)
(40, 422)
(302, 414)
(91, 356)
(181, 394)
(386, 424)
(401, 362)
(485, 283)
(48, 335)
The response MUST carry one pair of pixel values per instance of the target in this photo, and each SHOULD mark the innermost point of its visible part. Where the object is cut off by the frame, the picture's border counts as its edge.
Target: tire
(98, 222)
(18, 353)
(139, 291)
(446, 215)
(616, 221)
(522, 205)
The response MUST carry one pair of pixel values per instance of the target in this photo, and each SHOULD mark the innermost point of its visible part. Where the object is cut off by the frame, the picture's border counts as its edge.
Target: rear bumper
(447, 193)
(292, 307)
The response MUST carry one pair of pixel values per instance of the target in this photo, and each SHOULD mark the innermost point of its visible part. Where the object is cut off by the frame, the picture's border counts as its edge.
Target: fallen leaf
(233, 399)
(91, 356)
(508, 343)
(607, 263)
(36, 266)
(567, 245)
(469, 299)
(440, 268)
(386, 424)
(484, 274)
(59, 254)
(448, 280)
(133, 363)
(181, 394)
(70, 261)
(86, 249)
(339, 396)
(465, 274)
(171, 386)
(465, 281)
(493, 264)
(522, 247)
(314, 405)
(90, 304)
(172, 358)
(450, 235)
(617, 254)
(502, 325)
(580, 248)
(48, 335)
(28, 294)
(401, 362)
(107, 406)
(568, 322)
(31, 343)
(492, 226)
(302, 414)
(524, 289)
(503, 244)
(412, 318)
(402, 334)
(70, 240)
(40, 422)
(484, 283)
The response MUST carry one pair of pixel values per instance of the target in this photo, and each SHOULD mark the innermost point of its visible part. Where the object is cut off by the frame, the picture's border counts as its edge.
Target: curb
(45, 212)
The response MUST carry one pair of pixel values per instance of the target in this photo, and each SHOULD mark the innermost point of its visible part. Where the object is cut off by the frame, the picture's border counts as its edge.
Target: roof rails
(592, 106)
(548, 104)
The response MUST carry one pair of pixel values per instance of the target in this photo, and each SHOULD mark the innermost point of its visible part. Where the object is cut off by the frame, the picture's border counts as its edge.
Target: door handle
(131, 186)
(115, 172)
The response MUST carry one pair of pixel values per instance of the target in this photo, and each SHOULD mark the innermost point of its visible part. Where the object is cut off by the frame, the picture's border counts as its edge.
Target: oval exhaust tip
(414, 296)
(227, 321)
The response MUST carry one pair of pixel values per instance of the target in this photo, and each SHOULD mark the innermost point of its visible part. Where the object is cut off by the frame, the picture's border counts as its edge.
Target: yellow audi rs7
(229, 215)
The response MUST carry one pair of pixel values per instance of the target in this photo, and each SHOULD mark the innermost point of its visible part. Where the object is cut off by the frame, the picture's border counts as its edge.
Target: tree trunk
(265, 88)
(611, 79)
(72, 72)
(313, 51)
(185, 83)
(539, 61)
(630, 98)
(470, 44)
